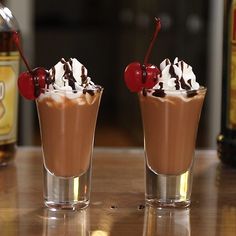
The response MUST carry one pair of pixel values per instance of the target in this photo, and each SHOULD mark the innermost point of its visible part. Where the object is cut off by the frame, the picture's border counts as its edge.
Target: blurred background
(106, 36)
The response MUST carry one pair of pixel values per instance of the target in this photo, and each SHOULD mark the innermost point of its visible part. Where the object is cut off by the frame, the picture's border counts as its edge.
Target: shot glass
(67, 125)
(170, 124)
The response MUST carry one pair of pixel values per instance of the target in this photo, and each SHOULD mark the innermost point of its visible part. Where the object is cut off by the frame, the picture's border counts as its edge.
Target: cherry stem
(158, 27)
(16, 40)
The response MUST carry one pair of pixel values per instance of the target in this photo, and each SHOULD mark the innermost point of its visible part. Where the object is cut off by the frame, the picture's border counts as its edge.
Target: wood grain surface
(117, 200)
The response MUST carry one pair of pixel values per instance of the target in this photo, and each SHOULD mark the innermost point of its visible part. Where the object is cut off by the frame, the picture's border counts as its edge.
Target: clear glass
(67, 125)
(166, 222)
(170, 124)
(66, 222)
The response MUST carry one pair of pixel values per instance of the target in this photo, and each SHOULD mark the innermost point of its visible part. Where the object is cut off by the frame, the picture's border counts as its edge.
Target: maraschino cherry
(31, 82)
(138, 76)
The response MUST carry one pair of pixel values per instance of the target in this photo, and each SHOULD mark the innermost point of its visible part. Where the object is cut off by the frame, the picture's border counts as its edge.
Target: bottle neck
(7, 20)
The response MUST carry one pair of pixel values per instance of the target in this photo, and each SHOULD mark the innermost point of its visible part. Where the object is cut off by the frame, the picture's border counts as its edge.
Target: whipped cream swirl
(176, 76)
(70, 75)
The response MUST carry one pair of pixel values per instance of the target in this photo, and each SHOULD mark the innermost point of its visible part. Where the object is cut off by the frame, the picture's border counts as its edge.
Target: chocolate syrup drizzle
(179, 82)
(144, 73)
(83, 76)
(68, 75)
(37, 89)
(159, 93)
(167, 61)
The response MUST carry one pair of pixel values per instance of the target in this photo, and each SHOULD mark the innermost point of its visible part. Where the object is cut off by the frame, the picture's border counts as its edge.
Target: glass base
(173, 191)
(168, 203)
(66, 206)
(70, 193)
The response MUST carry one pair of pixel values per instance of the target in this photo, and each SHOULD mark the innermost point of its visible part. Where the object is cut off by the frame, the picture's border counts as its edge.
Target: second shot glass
(170, 125)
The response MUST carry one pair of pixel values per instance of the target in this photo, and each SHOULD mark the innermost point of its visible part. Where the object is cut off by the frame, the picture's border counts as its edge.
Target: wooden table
(117, 199)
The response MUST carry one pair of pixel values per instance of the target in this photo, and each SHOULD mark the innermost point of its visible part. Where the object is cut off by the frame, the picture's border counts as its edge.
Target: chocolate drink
(170, 126)
(67, 132)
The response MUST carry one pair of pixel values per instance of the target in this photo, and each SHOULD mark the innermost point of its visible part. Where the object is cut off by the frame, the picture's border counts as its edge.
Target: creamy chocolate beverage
(67, 110)
(67, 128)
(170, 114)
(67, 103)
(170, 126)
(171, 101)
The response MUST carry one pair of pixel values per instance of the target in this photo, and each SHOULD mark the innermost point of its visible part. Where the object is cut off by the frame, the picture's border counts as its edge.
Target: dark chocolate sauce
(172, 72)
(174, 75)
(159, 93)
(177, 84)
(191, 93)
(37, 89)
(144, 92)
(161, 85)
(144, 73)
(70, 62)
(167, 62)
(50, 78)
(35, 76)
(183, 84)
(189, 82)
(83, 76)
(89, 91)
(98, 87)
(68, 74)
(182, 65)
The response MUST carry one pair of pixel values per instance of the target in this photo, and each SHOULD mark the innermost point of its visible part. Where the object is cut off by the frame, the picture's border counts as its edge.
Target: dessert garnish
(71, 76)
(137, 75)
(31, 82)
(174, 76)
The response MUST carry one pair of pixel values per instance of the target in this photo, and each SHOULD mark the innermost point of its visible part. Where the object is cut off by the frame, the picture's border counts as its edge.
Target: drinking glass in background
(67, 125)
(170, 123)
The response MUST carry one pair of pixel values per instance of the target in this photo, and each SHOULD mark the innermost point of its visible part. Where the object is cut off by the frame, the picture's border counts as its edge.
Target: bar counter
(117, 206)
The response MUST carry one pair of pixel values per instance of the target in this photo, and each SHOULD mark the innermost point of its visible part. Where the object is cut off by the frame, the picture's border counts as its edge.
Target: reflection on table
(166, 222)
(66, 223)
(117, 204)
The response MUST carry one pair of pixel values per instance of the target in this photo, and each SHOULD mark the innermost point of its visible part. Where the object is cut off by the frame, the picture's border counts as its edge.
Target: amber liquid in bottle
(226, 141)
(9, 68)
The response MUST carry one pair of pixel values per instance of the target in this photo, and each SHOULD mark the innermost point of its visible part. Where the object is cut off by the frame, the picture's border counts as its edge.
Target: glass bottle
(9, 69)
(226, 141)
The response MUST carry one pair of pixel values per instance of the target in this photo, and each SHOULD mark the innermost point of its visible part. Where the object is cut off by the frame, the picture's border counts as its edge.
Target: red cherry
(26, 85)
(151, 75)
(139, 76)
(133, 77)
(30, 84)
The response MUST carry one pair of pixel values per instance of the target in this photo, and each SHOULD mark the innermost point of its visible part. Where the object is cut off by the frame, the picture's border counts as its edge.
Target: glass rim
(169, 91)
(96, 89)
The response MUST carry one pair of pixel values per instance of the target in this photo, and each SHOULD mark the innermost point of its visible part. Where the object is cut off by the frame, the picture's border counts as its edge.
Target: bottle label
(232, 71)
(9, 69)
